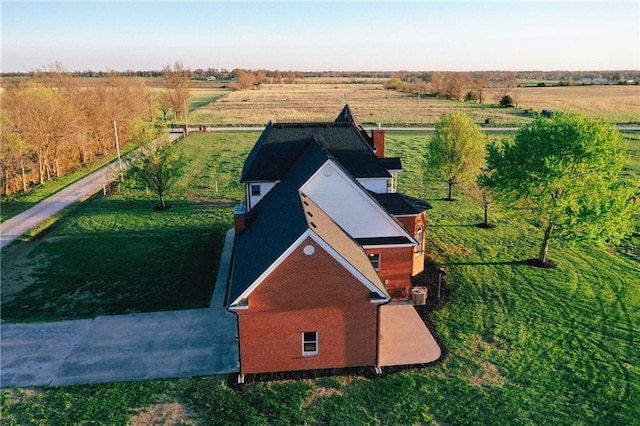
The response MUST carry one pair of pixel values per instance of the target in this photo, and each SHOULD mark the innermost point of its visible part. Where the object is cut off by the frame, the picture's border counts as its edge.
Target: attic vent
(328, 171)
(309, 250)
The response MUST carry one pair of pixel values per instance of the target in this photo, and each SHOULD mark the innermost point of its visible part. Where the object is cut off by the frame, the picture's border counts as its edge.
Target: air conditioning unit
(419, 295)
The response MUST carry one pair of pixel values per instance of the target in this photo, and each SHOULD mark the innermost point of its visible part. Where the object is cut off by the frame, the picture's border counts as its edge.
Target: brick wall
(308, 293)
(395, 269)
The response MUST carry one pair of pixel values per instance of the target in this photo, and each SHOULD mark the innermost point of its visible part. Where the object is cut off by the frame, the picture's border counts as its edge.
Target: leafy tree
(456, 151)
(565, 173)
(157, 168)
(164, 103)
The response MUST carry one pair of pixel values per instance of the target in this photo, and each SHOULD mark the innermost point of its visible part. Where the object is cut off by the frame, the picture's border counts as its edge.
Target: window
(255, 190)
(374, 258)
(310, 343)
(420, 239)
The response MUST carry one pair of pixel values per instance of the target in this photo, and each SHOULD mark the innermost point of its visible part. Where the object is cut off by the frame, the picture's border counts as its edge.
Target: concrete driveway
(124, 347)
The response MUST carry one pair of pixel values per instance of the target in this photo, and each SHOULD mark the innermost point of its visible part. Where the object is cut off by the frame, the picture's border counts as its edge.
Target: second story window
(374, 258)
(255, 190)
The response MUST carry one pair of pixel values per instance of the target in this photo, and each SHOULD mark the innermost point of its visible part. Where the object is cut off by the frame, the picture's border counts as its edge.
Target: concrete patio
(404, 338)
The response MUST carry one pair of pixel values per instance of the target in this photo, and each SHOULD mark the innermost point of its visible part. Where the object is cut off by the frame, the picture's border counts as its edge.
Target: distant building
(324, 253)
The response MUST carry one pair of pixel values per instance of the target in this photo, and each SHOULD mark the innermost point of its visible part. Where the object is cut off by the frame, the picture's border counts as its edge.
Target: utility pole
(186, 121)
(115, 130)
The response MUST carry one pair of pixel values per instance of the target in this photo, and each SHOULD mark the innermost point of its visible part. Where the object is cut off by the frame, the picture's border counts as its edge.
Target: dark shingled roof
(279, 219)
(273, 224)
(282, 143)
(398, 204)
(392, 163)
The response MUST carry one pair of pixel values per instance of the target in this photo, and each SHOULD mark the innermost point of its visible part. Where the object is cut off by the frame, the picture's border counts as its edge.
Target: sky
(472, 35)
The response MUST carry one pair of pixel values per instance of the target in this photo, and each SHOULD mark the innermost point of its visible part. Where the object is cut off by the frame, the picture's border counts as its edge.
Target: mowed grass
(525, 346)
(116, 254)
(322, 100)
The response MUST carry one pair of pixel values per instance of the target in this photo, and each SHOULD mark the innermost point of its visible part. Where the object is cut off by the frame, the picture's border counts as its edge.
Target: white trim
(368, 246)
(271, 268)
(316, 342)
(235, 308)
(297, 243)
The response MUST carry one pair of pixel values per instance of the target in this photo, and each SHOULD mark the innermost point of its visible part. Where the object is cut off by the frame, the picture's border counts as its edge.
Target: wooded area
(55, 123)
(51, 125)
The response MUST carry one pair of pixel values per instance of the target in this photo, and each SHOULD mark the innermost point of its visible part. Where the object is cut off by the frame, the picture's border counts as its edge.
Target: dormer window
(255, 190)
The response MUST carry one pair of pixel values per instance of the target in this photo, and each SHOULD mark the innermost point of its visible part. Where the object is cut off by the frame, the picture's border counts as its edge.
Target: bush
(506, 102)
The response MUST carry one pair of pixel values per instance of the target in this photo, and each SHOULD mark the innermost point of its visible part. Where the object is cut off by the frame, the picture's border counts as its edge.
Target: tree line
(54, 123)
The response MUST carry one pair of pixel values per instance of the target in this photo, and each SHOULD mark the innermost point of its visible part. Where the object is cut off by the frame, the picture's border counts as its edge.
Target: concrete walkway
(124, 347)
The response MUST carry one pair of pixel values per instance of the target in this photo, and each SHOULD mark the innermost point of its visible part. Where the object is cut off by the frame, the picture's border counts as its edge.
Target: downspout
(228, 308)
(377, 367)
(240, 375)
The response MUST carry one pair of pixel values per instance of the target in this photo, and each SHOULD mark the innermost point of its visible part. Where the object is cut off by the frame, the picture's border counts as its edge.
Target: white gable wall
(252, 200)
(349, 206)
(377, 185)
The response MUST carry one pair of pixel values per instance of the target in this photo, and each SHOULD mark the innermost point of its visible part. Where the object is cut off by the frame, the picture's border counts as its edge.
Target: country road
(14, 228)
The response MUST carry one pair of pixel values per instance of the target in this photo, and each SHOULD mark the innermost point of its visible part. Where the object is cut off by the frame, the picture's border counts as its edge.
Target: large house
(324, 253)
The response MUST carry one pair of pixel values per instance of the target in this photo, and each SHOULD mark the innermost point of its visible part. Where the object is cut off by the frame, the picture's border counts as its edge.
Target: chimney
(378, 141)
(240, 218)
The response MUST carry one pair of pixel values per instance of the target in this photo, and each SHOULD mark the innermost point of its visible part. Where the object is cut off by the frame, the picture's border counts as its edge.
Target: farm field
(374, 105)
(524, 345)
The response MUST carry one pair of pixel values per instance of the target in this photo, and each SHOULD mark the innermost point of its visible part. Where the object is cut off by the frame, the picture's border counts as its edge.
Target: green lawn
(525, 346)
(115, 254)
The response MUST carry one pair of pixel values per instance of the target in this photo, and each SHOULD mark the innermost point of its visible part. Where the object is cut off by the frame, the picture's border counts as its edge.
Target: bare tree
(50, 129)
(480, 83)
(502, 88)
(178, 80)
(456, 84)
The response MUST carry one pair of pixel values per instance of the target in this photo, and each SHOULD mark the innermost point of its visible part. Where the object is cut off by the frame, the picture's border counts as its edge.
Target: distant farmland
(373, 104)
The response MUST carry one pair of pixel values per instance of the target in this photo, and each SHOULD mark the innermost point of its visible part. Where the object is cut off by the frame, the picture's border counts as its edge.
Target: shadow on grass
(508, 262)
(113, 257)
(451, 226)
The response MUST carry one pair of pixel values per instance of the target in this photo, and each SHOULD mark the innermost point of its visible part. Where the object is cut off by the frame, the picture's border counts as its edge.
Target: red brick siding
(378, 142)
(395, 269)
(308, 293)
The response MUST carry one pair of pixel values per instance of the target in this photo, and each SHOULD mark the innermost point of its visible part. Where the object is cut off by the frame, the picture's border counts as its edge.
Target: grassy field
(115, 254)
(526, 346)
(322, 100)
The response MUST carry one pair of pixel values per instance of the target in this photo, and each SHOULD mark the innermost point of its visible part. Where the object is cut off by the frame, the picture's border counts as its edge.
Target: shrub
(506, 102)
